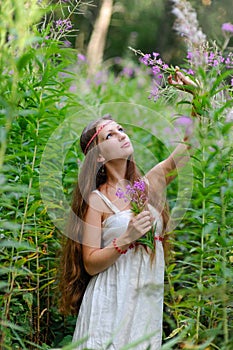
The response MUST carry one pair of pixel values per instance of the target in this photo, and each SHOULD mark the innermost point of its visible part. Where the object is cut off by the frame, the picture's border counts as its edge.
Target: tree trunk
(95, 49)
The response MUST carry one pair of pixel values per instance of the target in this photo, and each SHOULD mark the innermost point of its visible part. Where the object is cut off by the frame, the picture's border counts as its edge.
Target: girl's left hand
(182, 82)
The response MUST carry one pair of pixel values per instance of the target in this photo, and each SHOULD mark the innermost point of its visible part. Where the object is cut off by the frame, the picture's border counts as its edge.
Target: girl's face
(113, 142)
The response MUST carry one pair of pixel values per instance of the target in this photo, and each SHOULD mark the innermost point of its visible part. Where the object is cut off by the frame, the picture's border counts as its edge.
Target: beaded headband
(95, 134)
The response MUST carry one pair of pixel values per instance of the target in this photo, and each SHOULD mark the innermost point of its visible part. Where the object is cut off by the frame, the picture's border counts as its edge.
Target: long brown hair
(74, 278)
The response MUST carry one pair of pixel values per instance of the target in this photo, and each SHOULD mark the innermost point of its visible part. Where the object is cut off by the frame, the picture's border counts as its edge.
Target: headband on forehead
(95, 134)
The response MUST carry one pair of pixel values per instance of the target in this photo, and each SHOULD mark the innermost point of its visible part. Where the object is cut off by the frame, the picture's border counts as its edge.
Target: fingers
(144, 215)
(142, 222)
(171, 81)
(183, 79)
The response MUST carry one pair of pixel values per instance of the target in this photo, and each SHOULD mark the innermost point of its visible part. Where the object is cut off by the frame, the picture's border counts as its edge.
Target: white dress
(124, 303)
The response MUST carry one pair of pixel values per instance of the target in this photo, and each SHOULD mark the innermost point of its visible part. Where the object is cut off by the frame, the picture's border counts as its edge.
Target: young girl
(114, 284)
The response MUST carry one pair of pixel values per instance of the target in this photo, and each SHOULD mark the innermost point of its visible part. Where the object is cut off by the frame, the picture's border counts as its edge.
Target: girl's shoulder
(97, 202)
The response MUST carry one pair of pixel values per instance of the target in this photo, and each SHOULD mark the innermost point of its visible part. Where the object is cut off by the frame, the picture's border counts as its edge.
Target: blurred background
(148, 25)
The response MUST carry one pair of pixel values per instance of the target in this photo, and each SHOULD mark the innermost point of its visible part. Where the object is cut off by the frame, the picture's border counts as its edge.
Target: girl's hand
(182, 82)
(139, 225)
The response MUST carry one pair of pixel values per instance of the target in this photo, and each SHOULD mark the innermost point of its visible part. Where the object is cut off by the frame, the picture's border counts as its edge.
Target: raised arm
(164, 172)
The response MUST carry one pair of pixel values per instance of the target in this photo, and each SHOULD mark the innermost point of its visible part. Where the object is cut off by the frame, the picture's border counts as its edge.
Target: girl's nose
(121, 136)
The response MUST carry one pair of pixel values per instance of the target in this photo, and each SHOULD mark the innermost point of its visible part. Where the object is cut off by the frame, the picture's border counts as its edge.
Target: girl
(114, 283)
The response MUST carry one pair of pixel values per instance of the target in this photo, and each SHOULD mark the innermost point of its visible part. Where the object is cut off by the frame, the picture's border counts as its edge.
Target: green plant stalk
(223, 234)
(48, 303)
(29, 186)
(175, 312)
(37, 335)
(13, 275)
(200, 281)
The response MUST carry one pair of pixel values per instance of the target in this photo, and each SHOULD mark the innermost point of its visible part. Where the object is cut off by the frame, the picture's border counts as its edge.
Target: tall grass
(201, 277)
(34, 99)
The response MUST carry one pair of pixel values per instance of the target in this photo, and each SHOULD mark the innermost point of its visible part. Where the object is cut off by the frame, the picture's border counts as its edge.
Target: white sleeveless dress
(124, 303)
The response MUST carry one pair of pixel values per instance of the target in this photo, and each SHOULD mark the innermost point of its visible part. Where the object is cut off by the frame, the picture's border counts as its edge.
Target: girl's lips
(126, 144)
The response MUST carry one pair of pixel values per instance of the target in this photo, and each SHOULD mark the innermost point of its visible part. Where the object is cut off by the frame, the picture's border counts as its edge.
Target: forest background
(63, 63)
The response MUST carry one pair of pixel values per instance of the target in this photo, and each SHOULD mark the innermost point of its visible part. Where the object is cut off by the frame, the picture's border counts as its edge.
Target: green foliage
(199, 281)
(34, 99)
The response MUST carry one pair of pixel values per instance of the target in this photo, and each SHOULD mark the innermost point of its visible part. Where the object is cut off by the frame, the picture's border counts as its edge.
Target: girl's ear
(100, 159)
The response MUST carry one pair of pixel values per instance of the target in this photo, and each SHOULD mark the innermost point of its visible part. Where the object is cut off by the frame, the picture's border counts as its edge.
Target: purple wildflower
(184, 123)
(154, 93)
(139, 185)
(67, 43)
(231, 81)
(229, 61)
(189, 55)
(183, 120)
(155, 54)
(155, 70)
(227, 27)
(189, 71)
(145, 59)
(127, 72)
(130, 190)
(63, 25)
(100, 78)
(81, 57)
(73, 88)
(157, 65)
(186, 24)
(136, 193)
(120, 193)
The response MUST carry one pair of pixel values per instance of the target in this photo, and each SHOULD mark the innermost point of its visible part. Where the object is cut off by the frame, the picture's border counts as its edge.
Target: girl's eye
(108, 136)
(121, 129)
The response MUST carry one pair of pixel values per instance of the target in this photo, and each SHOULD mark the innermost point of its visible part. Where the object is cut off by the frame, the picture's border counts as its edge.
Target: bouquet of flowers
(137, 194)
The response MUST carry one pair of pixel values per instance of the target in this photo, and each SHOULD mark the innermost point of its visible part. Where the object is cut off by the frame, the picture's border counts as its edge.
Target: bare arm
(97, 259)
(164, 172)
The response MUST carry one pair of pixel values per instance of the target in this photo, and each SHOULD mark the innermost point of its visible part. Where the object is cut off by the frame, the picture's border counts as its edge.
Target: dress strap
(107, 201)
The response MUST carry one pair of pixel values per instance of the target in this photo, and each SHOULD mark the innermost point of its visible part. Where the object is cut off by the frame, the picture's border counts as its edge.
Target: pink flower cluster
(210, 59)
(227, 27)
(63, 25)
(136, 193)
(155, 62)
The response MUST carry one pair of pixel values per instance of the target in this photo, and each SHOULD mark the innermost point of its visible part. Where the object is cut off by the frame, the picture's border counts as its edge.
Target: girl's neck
(115, 174)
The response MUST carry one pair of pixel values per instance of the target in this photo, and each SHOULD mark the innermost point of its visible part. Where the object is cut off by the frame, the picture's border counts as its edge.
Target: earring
(102, 169)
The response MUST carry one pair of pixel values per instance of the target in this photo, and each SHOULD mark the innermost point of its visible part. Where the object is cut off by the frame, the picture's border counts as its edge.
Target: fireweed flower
(209, 59)
(187, 26)
(63, 25)
(67, 43)
(81, 57)
(186, 23)
(127, 72)
(227, 27)
(199, 54)
(155, 92)
(158, 69)
(154, 61)
(137, 195)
